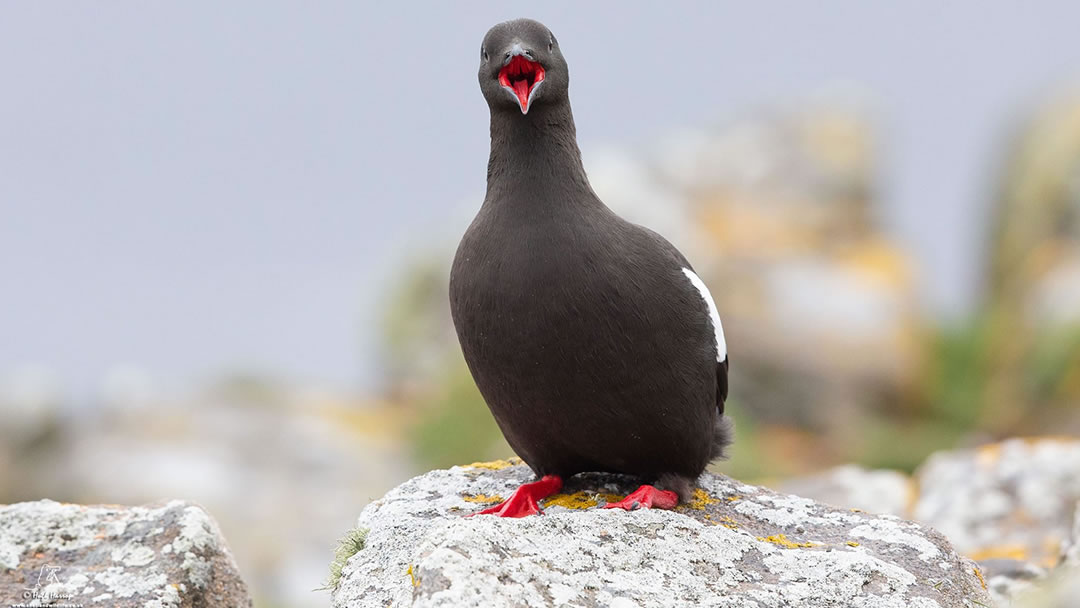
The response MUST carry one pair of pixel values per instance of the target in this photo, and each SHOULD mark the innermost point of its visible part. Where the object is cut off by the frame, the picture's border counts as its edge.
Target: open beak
(521, 76)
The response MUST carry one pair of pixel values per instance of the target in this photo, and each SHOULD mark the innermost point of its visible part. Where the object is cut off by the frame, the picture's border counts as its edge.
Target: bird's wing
(714, 316)
(718, 334)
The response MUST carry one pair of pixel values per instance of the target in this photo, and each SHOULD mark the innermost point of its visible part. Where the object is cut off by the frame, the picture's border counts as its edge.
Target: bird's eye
(483, 54)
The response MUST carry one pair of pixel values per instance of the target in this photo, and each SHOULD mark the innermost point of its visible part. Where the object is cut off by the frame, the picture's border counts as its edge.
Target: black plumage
(588, 340)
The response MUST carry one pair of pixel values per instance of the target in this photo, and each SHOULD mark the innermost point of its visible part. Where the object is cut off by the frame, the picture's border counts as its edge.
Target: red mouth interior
(520, 76)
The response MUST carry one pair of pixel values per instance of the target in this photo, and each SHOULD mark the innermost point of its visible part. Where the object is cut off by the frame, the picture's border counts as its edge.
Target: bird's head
(521, 67)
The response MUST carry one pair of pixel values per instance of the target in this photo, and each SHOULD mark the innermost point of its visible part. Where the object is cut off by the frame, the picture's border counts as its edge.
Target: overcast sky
(198, 187)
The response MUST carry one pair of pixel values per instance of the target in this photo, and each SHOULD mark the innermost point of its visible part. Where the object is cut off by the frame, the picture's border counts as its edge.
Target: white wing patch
(718, 328)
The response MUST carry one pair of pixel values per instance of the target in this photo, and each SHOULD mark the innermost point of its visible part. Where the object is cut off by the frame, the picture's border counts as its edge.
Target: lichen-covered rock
(1012, 506)
(852, 486)
(734, 545)
(1010, 500)
(1059, 588)
(156, 556)
(1006, 579)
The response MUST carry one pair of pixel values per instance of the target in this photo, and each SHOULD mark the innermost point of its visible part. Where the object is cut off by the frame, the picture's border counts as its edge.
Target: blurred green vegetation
(1053, 369)
(457, 427)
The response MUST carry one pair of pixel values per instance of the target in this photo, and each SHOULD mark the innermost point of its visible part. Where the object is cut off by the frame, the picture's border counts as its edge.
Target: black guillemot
(592, 340)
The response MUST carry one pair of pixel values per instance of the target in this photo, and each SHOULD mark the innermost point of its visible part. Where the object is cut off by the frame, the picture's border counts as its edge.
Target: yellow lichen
(580, 500)
(1051, 552)
(1017, 552)
(782, 540)
(733, 498)
(852, 543)
(495, 465)
(700, 500)
(482, 498)
(725, 521)
(729, 523)
(412, 576)
(979, 575)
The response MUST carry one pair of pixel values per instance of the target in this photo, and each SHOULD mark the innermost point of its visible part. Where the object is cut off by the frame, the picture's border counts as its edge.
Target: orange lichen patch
(782, 540)
(482, 498)
(879, 262)
(412, 577)
(1017, 552)
(852, 543)
(1051, 552)
(580, 500)
(979, 575)
(1048, 439)
(379, 422)
(988, 455)
(912, 497)
(733, 498)
(700, 500)
(495, 465)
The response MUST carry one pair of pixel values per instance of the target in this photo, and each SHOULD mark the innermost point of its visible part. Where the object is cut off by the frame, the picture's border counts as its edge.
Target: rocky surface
(157, 556)
(260, 457)
(1015, 499)
(734, 545)
(1013, 506)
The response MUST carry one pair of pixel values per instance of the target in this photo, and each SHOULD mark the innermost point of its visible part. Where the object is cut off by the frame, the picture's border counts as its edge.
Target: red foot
(524, 499)
(646, 497)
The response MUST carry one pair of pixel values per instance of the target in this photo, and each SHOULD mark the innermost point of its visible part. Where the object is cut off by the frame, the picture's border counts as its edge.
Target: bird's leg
(524, 500)
(646, 497)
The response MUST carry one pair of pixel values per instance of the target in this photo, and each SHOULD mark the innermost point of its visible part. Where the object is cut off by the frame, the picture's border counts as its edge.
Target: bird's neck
(535, 158)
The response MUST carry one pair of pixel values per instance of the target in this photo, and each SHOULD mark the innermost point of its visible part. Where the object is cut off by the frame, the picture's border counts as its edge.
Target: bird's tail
(723, 436)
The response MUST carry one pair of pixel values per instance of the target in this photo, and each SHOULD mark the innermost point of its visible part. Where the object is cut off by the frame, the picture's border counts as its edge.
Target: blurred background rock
(226, 238)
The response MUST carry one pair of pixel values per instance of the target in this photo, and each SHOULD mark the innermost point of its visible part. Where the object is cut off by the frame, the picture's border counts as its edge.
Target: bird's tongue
(521, 89)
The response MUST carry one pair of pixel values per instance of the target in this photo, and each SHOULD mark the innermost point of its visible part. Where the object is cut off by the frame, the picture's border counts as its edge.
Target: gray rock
(155, 556)
(1007, 579)
(852, 486)
(1014, 499)
(734, 545)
